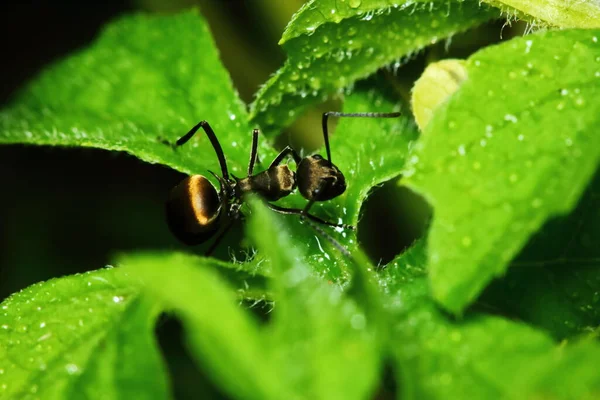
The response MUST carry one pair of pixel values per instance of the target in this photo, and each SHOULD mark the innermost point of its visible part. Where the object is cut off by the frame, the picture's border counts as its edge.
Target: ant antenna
(341, 114)
(213, 140)
(253, 152)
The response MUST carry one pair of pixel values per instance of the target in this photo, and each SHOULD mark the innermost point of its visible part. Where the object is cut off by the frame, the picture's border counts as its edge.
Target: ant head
(319, 180)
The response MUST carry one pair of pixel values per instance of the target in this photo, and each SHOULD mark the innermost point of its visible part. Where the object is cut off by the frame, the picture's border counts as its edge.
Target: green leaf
(495, 165)
(223, 338)
(88, 335)
(365, 164)
(329, 51)
(318, 343)
(321, 340)
(561, 13)
(146, 80)
(554, 282)
(482, 357)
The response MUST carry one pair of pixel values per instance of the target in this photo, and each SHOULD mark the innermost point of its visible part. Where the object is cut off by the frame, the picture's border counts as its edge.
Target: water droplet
(354, 3)
(579, 101)
(332, 11)
(569, 142)
(461, 150)
(520, 137)
(564, 92)
(325, 39)
(528, 44)
(72, 369)
(560, 106)
(466, 241)
(117, 299)
(594, 39)
(511, 118)
(476, 165)
(42, 324)
(483, 142)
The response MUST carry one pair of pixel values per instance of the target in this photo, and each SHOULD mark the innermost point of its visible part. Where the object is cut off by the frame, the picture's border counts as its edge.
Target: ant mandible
(194, 207)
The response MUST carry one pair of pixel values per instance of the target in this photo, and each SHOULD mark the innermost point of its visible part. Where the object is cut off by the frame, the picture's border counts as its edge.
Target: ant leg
(309, 218)
(253, 152)
(331, 240)
(341, 114)
(213, 140)
(283, 154)
(303, 213)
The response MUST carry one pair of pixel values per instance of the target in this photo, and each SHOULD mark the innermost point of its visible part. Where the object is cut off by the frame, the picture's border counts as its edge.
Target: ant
(194, 208)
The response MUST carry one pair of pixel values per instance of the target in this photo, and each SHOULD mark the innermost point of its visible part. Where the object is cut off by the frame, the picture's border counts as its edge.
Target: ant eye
(317, 157)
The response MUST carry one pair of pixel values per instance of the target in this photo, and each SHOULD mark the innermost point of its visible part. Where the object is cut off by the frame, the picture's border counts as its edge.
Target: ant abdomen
(193, 210)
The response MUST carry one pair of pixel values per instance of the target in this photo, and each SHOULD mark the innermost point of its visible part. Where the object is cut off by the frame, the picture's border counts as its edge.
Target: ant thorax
(272, 184)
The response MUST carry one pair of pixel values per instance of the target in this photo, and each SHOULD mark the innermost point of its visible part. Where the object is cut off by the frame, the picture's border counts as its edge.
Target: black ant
(194, 207)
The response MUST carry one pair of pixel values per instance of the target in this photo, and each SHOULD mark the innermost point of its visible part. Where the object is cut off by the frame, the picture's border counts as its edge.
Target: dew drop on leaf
(71, 369)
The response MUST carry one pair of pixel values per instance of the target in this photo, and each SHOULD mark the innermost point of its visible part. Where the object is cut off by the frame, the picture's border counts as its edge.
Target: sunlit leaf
(480, 356)
(496, 166)
(561, 13)
(145, 81)
(224, 339)
(368, 151)
(89, 335)
(329, 51)
(316, 330)
(554, 282)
